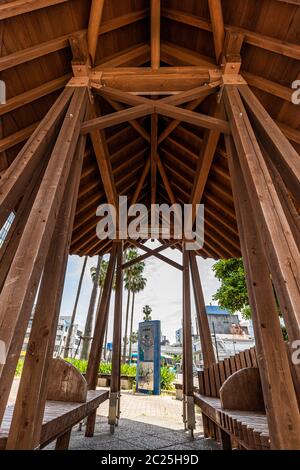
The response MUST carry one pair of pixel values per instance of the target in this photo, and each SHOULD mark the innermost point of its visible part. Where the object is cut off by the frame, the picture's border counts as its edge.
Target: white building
(61, 338)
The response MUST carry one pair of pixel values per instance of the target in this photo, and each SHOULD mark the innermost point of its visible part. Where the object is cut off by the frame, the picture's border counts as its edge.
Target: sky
(163, 291)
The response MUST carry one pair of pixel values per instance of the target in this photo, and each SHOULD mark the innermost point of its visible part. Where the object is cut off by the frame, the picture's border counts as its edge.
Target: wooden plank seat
(68, 403)
(231, 402)
(248, 428)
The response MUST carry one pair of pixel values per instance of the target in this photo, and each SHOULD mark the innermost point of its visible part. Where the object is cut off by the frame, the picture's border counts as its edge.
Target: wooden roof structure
(163, 101)
(36, 64)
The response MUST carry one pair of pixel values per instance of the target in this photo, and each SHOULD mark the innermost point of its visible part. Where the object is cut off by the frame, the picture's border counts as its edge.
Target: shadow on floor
(136, 435)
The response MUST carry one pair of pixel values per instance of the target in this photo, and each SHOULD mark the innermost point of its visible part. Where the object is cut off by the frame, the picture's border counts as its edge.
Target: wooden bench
(231, 401)
(68, 403)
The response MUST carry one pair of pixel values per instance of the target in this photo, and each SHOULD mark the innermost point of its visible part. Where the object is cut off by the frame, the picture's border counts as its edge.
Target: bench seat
(248, 428)
(59, 417)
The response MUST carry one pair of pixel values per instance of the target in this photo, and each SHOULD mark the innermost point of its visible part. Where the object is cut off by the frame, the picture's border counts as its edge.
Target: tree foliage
(147, 310)
(232, 294)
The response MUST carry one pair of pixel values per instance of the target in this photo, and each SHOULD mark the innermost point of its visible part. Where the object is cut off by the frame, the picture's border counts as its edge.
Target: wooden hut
(162, 101)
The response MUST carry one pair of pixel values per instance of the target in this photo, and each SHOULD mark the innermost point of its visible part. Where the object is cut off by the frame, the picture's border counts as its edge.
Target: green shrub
(104, 368)
(19, 367)
(167, 378)
(128, 369)
(80, 364)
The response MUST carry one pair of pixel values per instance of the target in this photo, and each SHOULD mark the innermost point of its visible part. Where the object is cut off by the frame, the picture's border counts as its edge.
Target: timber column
(114, 401)
(188, 382)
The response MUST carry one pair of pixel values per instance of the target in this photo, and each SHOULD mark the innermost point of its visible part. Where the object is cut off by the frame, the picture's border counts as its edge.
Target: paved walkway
(147, 422)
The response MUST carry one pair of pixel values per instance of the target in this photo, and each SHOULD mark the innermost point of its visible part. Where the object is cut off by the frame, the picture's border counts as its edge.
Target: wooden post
(282, 253)
(205, 334)
(114, 401)
(99, 332)
(18, 294)
(26, 423)
(279, 394)
(11, 242)
(188, 348)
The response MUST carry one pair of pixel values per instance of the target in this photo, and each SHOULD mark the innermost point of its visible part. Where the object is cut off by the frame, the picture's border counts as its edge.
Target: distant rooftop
(216, 310)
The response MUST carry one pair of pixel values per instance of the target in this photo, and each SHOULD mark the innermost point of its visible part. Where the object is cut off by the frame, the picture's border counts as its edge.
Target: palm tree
(68, 341)
(90, 315)
(131, 274)
(138, 285)
(147, 310)
(101, 280)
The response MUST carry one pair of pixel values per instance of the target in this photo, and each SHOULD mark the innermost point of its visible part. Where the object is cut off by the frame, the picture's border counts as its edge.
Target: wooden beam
(141, 182)
(148, 253)
(104, 165)
(207, 153)
(16, 178)
(154, 136)
(93, 27)
(17, 137)
(155, 34)
(283, 154)
(196, 119)
(26, 422)
(154, 253)
(282, 414)
(267, 86)
(281, 249)
(205, 334)
(216, 15)
(114, 119)
(47, 47)
(20, 7)
(12, 239)
(134, 123)
(22, 281)
(145, 80)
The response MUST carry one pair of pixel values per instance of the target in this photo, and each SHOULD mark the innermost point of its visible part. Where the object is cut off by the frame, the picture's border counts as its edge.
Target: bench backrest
(65, 382)
(213, 377)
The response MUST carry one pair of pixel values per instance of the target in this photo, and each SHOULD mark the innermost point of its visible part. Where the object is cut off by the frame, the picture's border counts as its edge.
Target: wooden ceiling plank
(132, 56)
(255, 39)
(172, 54)
(19, 7)
(155, 33)
(53, 45)
(34, 94)
(217, 21)
(96, 12)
